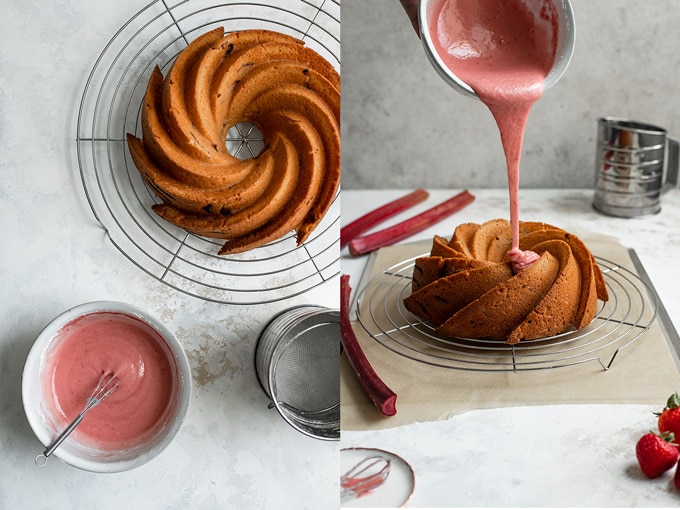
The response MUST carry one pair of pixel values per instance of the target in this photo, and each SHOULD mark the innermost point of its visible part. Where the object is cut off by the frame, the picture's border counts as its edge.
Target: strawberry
(669, 418)
(676, 478)
(656, 454)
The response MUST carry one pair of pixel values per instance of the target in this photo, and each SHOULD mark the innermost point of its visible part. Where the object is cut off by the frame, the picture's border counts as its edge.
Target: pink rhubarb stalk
(373, 218)
(379, 393)
(407, 228)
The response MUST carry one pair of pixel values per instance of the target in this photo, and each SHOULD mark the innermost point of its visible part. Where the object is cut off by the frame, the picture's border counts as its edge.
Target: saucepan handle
(672, 163)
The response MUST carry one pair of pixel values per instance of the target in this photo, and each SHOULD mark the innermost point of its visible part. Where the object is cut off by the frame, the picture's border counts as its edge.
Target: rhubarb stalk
(373, 218)
(407, 228)
(379, 393)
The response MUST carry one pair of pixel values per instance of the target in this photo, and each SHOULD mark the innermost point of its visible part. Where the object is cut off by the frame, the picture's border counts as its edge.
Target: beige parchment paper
(644, 372)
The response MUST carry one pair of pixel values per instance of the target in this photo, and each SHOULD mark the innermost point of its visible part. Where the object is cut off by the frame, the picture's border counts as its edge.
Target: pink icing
(521, 259)
(504, 53)
(111, 342)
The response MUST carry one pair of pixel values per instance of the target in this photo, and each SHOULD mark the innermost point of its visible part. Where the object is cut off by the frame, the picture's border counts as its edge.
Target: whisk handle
(41, 459)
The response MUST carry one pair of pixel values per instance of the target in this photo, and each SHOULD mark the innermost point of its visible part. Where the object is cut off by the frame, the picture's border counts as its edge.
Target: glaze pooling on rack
(110, 107)
(622, 320)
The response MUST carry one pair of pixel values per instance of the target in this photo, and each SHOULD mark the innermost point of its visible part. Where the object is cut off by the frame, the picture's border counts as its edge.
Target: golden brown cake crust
(497, 311)
(445, 296)
(466, 287)
(272, 80)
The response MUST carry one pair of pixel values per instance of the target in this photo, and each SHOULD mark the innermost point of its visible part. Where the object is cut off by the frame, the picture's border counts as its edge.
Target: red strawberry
(676, 478)
(656, 454)
(669, 418)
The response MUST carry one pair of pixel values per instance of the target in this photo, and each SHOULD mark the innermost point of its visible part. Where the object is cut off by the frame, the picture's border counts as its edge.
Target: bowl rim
(30, 384)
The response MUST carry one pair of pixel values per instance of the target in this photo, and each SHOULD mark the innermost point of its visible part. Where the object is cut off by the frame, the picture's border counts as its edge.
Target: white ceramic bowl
(37, 403)
(565, 44)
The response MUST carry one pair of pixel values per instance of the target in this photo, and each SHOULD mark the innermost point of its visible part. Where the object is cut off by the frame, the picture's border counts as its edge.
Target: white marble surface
(553, 456)
(572, 456)
(403, 125)
(232, 452)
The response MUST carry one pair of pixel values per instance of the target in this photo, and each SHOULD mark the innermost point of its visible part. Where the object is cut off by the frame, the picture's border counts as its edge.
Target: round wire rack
(110, 107)
(629, 312)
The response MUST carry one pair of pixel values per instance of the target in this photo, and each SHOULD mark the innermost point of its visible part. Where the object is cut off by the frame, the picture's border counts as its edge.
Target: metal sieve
(297, 360)
(634, 164)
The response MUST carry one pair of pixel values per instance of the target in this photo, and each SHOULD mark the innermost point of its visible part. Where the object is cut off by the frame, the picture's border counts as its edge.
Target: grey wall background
(403, 127)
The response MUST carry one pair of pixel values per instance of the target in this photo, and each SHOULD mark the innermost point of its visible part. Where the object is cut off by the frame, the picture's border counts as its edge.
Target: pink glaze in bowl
(138, 420)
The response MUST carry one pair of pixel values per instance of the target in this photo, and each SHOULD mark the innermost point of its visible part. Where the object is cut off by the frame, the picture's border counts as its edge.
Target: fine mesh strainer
(297, 360)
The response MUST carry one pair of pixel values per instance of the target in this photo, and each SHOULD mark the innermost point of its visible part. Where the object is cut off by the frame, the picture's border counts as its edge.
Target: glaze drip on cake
(503, 51)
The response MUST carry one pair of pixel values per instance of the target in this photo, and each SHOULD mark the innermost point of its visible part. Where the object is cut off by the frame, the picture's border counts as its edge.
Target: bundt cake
(266, 78)
(466, 287)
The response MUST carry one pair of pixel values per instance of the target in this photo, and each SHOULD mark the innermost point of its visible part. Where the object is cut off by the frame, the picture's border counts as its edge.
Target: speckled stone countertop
(566, 455)
(232, 451)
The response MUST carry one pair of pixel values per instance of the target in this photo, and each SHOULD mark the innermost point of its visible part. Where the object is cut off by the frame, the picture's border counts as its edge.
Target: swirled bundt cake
(266, 78)
(466, 288)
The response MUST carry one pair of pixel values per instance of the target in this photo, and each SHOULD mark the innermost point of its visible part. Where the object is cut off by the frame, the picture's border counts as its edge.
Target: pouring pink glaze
(504, 53)
(104, 343)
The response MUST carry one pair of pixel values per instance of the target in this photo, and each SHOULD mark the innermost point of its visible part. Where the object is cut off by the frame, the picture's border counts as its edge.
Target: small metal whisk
(365, 476)
(104, 388)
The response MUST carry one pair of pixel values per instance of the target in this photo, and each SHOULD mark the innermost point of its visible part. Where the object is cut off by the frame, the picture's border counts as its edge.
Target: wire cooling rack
(110, 107)
(619, 322)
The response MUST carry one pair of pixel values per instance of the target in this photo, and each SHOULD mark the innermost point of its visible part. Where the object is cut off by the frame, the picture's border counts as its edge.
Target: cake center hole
(244, 140)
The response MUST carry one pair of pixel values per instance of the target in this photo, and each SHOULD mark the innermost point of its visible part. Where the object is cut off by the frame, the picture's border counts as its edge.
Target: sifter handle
(673, 162)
